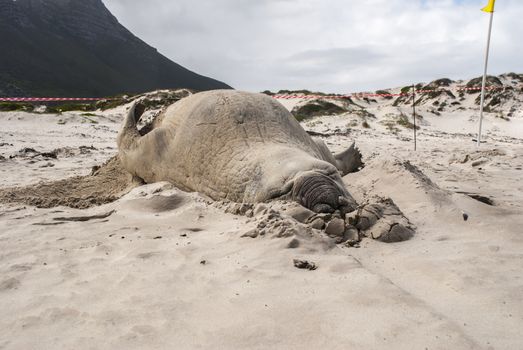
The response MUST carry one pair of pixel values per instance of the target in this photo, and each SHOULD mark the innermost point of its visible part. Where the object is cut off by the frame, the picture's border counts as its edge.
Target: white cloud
(328, 45)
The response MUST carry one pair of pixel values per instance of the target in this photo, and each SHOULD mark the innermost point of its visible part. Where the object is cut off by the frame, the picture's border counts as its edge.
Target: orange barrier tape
(50, 99)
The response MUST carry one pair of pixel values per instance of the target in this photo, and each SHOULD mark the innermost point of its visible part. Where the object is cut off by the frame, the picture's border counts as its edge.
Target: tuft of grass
(16, 106)
(391, 126)
(303, 91)
(110, 104)
(353, 123)
(406, 89)
(89, 120)
(317, 108)
(69, 107)
(492, 81)
(500, 115)
(442, 106)
(441, 82)
(364, 114)
(403, 120)
(162, 101)
(384, 92)
(314, 123)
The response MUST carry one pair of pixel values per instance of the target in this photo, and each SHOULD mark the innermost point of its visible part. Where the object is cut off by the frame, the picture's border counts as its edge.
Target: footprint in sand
(9, 284)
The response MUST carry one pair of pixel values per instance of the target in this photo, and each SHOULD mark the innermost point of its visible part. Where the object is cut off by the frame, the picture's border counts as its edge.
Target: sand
(160, 268)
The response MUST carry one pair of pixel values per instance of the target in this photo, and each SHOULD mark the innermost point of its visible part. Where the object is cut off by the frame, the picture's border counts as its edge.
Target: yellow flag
(489, 7)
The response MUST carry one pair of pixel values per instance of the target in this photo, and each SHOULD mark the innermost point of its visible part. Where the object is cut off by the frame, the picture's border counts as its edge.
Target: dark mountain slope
(78, 48)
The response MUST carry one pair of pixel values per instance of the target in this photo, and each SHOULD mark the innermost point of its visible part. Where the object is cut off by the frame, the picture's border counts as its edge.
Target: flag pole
(414, 112)
(484, 82)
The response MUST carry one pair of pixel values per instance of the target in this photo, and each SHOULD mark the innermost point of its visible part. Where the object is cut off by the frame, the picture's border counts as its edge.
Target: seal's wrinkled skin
(238, 146)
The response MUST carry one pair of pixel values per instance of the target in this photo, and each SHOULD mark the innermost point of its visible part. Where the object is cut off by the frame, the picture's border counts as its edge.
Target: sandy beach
(160, 268)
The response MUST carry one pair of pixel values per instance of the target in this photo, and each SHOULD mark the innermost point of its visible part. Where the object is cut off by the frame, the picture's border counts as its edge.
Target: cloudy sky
(328, 45)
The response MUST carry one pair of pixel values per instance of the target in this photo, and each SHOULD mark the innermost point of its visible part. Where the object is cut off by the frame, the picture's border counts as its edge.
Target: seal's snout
(321, 193)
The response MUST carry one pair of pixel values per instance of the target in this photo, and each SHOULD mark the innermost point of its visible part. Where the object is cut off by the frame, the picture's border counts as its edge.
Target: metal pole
(414, 113)
(483, 84)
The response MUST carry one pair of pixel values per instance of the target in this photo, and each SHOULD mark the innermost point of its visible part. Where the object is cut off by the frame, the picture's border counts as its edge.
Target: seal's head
(322, 193)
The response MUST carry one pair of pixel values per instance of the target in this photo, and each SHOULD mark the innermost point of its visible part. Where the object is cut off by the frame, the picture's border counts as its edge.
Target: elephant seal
(237, 146)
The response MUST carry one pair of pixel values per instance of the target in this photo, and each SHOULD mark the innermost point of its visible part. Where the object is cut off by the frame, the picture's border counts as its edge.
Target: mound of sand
(105, 184)
(398, 179)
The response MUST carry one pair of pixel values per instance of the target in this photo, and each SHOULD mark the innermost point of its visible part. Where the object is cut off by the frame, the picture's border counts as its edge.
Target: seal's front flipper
(381, 220)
